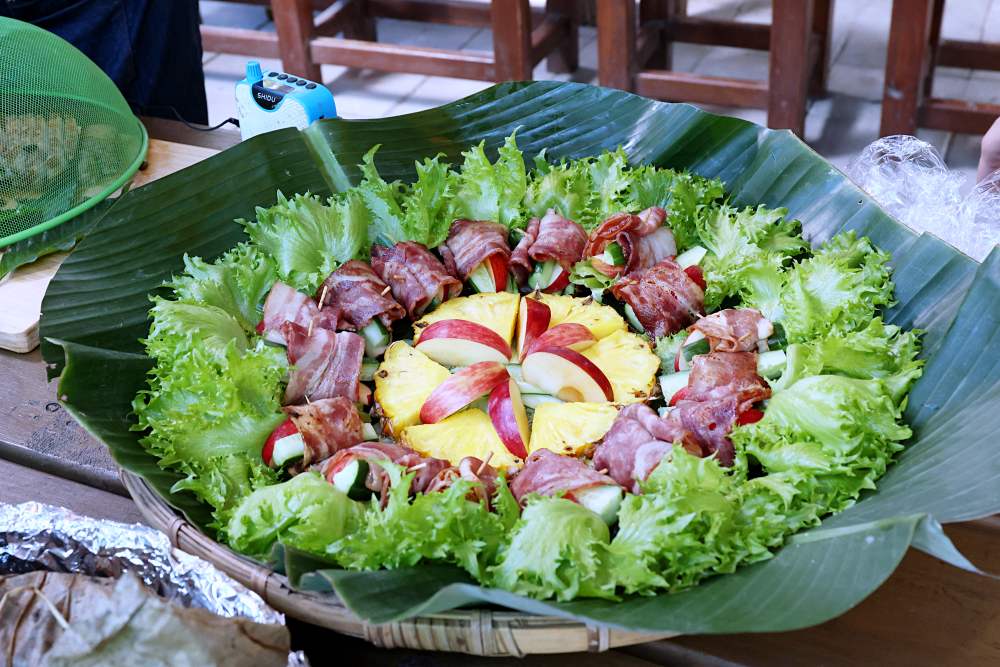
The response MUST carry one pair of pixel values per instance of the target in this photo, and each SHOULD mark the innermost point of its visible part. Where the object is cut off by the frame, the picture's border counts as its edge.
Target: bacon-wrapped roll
(353, 295)
(720, 375)
(326, 364)
(416, 277)
(327, 426)
(285, 304)
(552, 238)
(426, 470)
(734, 330)
(663, 297)
(483, 475)
(642, 238)
(547, 473)
(710, 422)
(472, 242)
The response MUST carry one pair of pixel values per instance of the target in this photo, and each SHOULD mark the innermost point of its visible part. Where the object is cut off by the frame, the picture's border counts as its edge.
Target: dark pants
(150, 48)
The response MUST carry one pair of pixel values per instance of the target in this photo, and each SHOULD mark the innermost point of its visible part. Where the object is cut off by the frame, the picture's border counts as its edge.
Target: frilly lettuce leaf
(666, 349)
(383, 202)
(306, 512)
(557, 549)
(307, 238)
(426, 203)
(838, 289)
(443, 527)
(585, 275)
(609, 182)
(563, 187)
(760, 283)
(485, 191)
(237, 282)
(685, 196)
(177, 325)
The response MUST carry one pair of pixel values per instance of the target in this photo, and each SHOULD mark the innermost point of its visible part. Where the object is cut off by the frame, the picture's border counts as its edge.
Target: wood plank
(565, 57)
(906, 63)
(702, 89)
(616, 44)
(973, 55)
(822, 37)
(788, 78)
(512, 54)
(453, 12)
(240, 40)
(957, 115)
(23, 485)
(398, 58)
(293, 21)
(547, 37)
(715, 32)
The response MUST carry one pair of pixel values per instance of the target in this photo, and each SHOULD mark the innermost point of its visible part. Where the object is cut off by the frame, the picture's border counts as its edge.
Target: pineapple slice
(601, 320)
(629, 363)
(403, 381)
(494, 310)
(570, 428)
(467, 433)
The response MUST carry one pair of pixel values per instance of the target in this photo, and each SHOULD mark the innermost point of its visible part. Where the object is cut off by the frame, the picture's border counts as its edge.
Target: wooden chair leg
(293, 20)
(616, 44)
(511, 21)
(361, 24)
(663, 11)
(934, 40)
(788, 80)
(566, 58)
(823, 34)
(909, 32)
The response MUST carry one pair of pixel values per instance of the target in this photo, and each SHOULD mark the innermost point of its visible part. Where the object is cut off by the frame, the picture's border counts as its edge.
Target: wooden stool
(635, 55)
(915, 48)
(521, 38)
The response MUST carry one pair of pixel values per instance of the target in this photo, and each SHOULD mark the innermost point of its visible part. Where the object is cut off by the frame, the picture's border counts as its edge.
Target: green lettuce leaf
(306, 512)
(382, 201)
(427, 202)
(308, 239)
(443, 527)
(557, 549)
(585, 275)
(564, 187)
(685, 196)
(609, 182)
(178, 325)
(485, 191)
(237, 282)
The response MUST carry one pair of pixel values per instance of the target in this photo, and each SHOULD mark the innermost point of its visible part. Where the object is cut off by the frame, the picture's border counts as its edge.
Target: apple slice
(509, 417)
(462, 343)
(461, 389)
(498, 267)
(567, 374)
(559, 281)
(533, 319)
(572, 335)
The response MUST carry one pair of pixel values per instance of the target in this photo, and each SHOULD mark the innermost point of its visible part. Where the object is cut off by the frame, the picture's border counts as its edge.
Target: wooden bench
(635, 55)
(915, 49)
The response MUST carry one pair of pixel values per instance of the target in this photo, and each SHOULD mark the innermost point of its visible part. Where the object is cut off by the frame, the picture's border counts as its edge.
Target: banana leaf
(96, 310)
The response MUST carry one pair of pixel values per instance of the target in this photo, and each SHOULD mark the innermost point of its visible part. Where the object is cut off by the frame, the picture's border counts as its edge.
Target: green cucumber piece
(376, 338)
(482, 278)
(778, 339)
(771, 364)
(534, 400)
(695, 344)
(614, 251)
(541, 277)
(368, 432)
(350, 480)
(671, 383)
(691, 257)
(368, 368)
(604, 501)
(288, 449)
(633, 320)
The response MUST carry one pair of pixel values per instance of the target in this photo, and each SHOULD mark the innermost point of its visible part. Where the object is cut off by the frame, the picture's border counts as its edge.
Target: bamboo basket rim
(474, 631)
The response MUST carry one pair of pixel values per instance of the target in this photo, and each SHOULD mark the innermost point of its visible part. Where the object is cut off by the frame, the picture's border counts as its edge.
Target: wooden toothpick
(482, 466)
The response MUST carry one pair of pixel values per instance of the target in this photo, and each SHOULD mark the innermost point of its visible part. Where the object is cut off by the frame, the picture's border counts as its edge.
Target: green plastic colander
(68, 139)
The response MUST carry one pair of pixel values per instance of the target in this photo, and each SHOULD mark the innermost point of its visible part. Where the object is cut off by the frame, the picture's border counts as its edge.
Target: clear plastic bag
(910, 180)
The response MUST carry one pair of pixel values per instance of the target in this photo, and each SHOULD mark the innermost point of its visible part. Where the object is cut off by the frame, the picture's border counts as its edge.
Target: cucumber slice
(376, 338)
(633, 320)
(368, 432)
(541, 277)
(350, 479)
(771, 364)
(692, 256)
(288, 449)
(671, 383)
(614, 251)
(534, 400)
(778, 339)
(482, 278)
(603, 501)
(368, 368)
(694, 344)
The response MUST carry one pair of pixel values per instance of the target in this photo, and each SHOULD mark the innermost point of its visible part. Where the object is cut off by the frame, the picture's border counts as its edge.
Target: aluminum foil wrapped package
(908, 177)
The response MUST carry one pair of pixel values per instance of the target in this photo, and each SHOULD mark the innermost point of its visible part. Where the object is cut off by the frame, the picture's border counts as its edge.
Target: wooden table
(926, 613)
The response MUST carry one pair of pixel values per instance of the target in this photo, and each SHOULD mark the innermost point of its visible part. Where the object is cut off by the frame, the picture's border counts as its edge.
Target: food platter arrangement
(555, 348)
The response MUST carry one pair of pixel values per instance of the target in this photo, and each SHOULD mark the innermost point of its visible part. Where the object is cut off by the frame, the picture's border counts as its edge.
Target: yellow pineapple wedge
(466, 433)
(629, 363)
(570, 428)
(601, 320)
(494, 310)
(403, 381)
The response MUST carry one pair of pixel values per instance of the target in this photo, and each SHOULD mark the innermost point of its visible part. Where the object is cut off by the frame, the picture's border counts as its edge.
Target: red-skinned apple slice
(559, 282)
(283, 429)
(462, 388)
(462, 343)
(498, 268)
(533, 319)
(567, 374)
(509, 417)
(572, 335)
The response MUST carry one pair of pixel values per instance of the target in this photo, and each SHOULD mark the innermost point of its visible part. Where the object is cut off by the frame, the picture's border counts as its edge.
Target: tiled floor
(838, 126)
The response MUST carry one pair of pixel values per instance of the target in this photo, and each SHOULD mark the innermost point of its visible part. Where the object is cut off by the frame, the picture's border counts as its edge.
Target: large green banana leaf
(96, 311)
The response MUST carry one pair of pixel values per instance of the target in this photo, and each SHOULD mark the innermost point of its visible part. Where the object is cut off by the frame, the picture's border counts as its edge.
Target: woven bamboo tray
(475, 631)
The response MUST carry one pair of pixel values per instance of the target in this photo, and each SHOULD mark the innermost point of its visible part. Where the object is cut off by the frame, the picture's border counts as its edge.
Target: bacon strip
(710, 422)
(636, 443)
(483, 475)
(547, 473)
(470, 243)
(354, 295)
(719, 375)
(553, 238)
(415, 276)
(734, 329)
(327, 364)
(643, 239)
(663, 297)
(327, 426)
(285, 304)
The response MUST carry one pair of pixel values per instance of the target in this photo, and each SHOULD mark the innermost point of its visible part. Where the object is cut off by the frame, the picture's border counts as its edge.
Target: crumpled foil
(908, 177)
